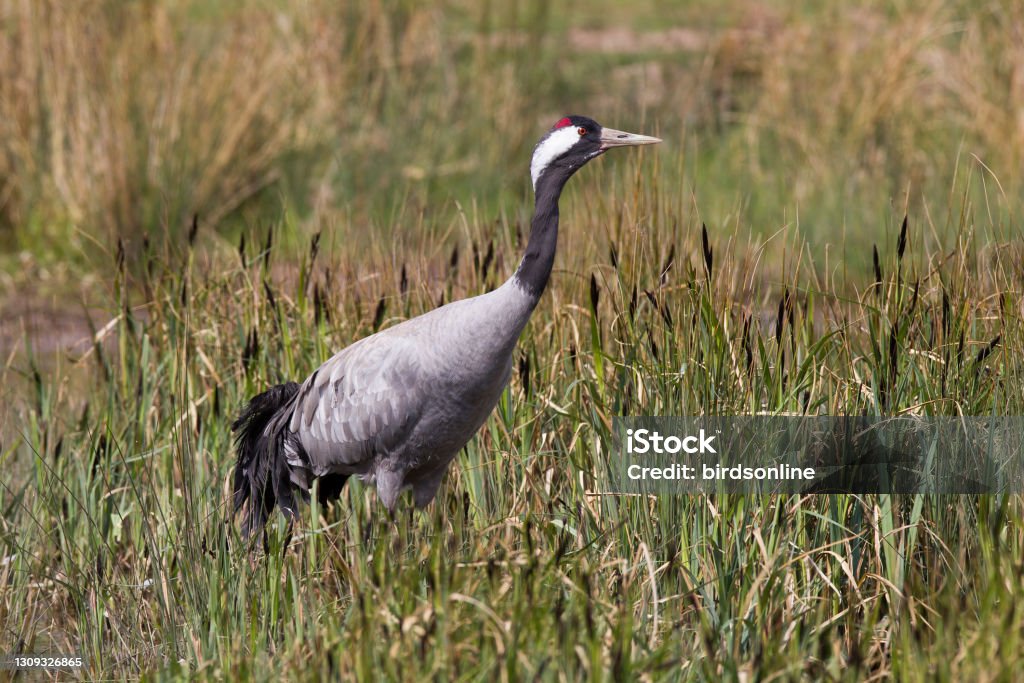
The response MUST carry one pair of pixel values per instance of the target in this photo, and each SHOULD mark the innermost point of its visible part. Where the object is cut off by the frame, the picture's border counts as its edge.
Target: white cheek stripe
(550, 148)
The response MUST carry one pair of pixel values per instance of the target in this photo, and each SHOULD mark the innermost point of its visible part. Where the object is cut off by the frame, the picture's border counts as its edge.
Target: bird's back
(397, 406)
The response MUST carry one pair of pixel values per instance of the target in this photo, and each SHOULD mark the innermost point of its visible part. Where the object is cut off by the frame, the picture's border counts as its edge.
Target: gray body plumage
(396, 407)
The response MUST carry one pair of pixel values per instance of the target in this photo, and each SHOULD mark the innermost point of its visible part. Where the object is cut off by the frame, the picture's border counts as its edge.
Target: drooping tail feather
(262, 476)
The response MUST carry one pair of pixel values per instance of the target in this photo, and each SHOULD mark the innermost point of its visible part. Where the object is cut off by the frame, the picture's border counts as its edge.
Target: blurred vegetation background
(125, 119)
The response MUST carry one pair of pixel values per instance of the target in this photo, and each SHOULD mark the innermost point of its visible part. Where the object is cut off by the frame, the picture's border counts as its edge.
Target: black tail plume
(262, 476)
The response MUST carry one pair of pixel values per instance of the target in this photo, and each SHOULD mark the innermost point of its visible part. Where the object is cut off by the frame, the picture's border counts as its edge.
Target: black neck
(535, 268)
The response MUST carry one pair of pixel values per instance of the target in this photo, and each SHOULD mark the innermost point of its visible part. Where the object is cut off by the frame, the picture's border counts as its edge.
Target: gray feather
(396, 407)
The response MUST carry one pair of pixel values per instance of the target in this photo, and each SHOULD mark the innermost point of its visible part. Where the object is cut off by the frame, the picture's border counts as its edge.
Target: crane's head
(574, 141)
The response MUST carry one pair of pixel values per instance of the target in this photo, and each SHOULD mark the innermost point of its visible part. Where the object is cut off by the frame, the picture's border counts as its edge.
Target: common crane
(396, 407)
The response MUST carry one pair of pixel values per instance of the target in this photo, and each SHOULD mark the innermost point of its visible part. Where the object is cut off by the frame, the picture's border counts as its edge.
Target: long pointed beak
(620, 138)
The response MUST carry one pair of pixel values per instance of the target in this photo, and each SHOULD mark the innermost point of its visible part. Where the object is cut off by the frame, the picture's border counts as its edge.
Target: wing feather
(362, 401)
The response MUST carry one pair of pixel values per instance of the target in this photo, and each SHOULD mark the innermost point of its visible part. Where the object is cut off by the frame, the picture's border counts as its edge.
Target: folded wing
(363, 401)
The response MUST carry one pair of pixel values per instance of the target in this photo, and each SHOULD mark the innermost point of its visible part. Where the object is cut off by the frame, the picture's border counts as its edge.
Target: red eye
(582, 131)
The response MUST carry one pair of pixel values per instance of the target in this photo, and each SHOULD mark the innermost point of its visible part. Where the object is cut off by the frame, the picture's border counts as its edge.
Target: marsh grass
(119, 542)
(761, 263)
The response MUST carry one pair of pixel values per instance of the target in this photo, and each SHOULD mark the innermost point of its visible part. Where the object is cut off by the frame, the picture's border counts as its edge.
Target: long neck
(535, 268)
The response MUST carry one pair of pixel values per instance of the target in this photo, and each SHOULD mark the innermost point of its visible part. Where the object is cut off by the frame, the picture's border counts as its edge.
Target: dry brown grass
(130, 119)
(118, 119)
